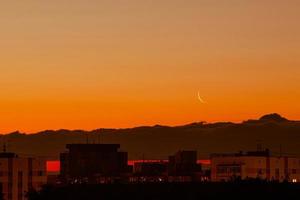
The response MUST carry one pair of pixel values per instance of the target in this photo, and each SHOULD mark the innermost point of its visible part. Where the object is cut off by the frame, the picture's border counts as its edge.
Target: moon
(200, 99)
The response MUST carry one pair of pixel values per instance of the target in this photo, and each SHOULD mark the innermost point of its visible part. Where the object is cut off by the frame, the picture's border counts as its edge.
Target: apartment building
(18, 175)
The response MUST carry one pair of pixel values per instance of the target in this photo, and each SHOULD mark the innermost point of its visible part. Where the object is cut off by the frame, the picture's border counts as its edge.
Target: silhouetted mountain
(157, 142)
(273, 117)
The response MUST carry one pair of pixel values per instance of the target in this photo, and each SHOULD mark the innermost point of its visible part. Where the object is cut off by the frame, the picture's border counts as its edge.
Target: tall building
(257, 164)
(92, 162)
(183, 167)
(18, 175)
(183, 163)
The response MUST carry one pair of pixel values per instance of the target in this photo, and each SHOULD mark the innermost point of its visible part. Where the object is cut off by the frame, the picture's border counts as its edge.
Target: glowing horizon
(101, 64)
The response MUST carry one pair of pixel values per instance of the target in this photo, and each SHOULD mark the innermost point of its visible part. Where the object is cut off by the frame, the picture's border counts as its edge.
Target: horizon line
(140, 126)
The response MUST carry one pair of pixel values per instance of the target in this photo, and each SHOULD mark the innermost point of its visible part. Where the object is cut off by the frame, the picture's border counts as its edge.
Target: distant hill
(157, 142)
(273, 117)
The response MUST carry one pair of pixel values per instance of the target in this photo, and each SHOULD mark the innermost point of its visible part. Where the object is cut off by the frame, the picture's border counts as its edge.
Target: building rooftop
(93, 147)
(263, 153)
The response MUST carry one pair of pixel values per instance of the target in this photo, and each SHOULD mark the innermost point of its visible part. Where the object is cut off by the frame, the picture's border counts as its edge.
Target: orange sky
(91, 64)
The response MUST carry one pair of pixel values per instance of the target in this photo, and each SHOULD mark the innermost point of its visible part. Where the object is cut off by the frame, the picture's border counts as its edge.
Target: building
(93, 163)
(18, 175)
(183, 167)
(183, 163)
(150, 168)
(149, 171)
(257, 164)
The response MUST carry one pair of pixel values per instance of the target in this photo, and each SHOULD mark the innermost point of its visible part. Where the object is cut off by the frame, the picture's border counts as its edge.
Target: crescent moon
(200, 99)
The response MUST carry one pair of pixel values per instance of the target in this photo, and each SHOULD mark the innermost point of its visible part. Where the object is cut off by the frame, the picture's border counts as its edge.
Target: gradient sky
(85, 64)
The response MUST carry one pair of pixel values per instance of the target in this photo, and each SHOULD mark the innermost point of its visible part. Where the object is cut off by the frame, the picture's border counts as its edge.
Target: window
(20, 196)
(221, 170)
(40, 173)
(20, 175)
(9, 195)
(235, 169)
(228, 169)
(294, 171)
(277, 173)
(259, 171)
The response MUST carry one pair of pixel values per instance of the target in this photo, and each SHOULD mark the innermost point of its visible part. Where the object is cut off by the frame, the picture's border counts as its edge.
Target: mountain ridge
(159, 141)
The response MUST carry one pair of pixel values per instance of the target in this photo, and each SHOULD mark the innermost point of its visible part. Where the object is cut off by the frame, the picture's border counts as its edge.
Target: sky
(121, 63)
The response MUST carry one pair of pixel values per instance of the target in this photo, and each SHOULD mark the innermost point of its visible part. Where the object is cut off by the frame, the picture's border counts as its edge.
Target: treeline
(163, 191)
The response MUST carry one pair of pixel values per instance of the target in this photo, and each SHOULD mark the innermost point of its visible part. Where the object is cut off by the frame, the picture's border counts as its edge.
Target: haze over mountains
(157, 142)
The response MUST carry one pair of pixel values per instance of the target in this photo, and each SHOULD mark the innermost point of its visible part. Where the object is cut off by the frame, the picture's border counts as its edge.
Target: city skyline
(149, 99)
(95, 64)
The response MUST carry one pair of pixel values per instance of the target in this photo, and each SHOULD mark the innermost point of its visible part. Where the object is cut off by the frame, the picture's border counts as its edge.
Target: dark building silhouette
(183, 163)
(93, 163)
(183, 167)
(153, 171)
(150, 168)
